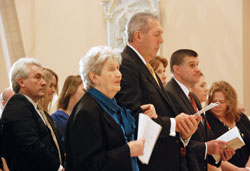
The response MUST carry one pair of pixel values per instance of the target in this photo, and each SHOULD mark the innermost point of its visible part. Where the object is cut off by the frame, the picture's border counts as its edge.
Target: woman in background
(200, 89)
(224, 117)
(51, 88)
(159, 64)
(71, 93)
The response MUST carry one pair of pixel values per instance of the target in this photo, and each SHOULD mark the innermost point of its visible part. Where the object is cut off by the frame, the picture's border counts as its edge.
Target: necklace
(233, 125)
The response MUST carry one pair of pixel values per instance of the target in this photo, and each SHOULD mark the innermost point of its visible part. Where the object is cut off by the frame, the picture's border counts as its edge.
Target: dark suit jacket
(196, 147)
(138, 87)
(94, 141)
(27, 141)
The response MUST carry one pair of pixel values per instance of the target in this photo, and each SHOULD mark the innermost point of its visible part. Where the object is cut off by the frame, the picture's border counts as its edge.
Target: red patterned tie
(193, 101)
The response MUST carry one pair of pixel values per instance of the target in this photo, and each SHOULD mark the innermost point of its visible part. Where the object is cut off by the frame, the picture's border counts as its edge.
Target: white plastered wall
(59, 32)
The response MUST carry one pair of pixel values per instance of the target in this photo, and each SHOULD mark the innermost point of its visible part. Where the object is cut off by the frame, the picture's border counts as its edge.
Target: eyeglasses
(219, 101)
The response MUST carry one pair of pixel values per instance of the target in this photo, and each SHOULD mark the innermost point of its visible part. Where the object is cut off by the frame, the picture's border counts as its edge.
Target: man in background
(5, 96)
(29, 140)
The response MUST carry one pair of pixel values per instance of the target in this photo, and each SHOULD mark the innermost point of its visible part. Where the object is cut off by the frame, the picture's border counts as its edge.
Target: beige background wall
(59, 33)
(246, 54)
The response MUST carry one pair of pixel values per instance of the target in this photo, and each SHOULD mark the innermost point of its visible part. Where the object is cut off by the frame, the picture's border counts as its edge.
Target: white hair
(93, 62)
(20, 70)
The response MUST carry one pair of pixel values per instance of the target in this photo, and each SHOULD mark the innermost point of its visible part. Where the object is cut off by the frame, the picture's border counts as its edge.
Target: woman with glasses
(224, 117)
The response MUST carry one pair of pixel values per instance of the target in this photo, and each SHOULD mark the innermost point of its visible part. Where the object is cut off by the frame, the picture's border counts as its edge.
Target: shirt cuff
(172, 127)
(205, 157)
(60, 168)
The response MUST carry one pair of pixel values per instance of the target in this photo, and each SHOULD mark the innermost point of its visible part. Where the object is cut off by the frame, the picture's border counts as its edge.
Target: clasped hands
(186, 125)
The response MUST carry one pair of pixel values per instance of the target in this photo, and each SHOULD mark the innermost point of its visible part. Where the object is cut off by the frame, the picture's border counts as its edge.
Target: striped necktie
(51, 131)
(193, 101)
(152, 72)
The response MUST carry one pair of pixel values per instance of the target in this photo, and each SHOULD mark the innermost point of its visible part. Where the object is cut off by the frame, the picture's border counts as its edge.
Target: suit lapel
(183, 97)
(188, 104)
(146, 72)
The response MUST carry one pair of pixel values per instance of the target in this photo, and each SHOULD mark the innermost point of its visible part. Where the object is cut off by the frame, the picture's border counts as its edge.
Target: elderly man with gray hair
(29, 140)
(140, 85)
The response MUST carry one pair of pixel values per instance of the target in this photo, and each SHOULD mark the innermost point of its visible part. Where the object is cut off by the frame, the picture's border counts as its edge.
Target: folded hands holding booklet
(232, 137)
(234, 140)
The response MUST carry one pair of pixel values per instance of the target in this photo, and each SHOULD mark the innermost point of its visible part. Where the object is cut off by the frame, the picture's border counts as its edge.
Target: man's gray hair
(139, 22)
(20, 70)
(6, 94)
(93, 62)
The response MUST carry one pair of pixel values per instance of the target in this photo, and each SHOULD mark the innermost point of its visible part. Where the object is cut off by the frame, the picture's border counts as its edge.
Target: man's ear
(20, 82)
(176, 69)
(94, 78)
(138, 36)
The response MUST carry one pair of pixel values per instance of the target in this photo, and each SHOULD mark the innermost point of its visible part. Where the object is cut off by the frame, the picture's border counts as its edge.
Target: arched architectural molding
(117, 14)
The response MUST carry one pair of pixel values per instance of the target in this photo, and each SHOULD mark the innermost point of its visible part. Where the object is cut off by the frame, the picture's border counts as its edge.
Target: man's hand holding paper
(186, 125)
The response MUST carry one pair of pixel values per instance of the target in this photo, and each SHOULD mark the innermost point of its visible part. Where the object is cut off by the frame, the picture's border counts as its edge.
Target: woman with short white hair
(100, 134)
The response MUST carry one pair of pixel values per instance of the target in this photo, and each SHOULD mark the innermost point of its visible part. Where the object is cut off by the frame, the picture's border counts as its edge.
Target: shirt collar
(141, 57)
(183, 87)
(31, 101)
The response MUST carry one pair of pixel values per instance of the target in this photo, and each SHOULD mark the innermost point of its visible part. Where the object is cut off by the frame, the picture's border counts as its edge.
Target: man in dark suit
(184, 67)
(141, 86)
(6, 95)
(29, 139)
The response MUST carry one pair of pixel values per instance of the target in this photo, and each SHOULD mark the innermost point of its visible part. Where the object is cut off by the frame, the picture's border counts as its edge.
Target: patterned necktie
(193, 101)
(152, 72)
(195, 107)
(51, 131)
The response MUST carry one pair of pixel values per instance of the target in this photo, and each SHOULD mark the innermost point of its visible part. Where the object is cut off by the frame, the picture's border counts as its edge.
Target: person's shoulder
(244, 118)
(58, 113)
(17, 97)
(17, 107)
(87, 105)
(18, 100)
(129, 56)
(171, 86)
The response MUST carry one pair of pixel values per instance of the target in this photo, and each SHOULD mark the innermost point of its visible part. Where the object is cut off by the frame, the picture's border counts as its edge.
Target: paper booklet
(149, 130)
(208, 107)
(234, 140)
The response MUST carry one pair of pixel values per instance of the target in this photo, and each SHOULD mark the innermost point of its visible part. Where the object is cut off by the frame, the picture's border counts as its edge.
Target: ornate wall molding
(117, 14)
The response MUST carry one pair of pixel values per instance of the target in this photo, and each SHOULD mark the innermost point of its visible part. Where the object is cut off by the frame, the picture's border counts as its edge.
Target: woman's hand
(227, 154)
(149, 109)
(136, 147)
